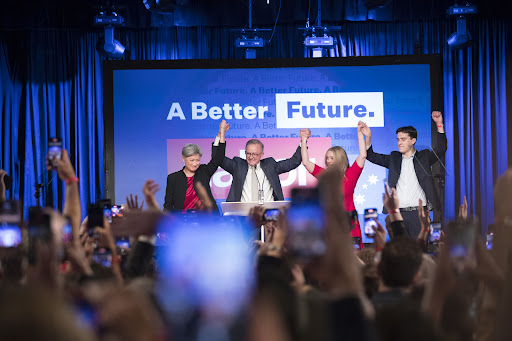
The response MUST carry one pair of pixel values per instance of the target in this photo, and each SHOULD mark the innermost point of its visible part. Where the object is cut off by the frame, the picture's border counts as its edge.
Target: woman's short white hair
(191, 149)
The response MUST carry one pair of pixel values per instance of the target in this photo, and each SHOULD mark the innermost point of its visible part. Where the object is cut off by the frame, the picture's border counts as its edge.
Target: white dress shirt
(263, 183)
(408, 188)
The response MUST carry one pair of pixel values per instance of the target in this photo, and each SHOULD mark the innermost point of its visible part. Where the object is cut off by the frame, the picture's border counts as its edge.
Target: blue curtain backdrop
(51, 84)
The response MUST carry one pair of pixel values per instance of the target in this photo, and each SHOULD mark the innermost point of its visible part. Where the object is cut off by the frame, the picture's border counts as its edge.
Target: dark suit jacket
(177, 182)
(423, 161)
(238, 167)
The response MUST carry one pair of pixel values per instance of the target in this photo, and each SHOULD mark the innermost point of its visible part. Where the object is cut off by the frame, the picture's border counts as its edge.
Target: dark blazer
(238, 167)
(423, 161)
(177, 182)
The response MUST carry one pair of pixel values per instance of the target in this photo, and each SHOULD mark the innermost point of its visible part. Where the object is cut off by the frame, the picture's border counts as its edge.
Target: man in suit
(256, 179)
(410, 171)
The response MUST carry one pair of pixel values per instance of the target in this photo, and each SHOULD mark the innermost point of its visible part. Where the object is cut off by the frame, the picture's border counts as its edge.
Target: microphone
(423, 168)
(437, 157)
(441, 162)
(261, 195)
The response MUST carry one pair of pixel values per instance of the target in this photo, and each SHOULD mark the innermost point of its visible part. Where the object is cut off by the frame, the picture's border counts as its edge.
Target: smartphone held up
(54, 150)
(271, 214)
(306, 223)
(461, 244)
(94, 218)
(10, 233)
(435, 233)
(39, 231)
(370, 216)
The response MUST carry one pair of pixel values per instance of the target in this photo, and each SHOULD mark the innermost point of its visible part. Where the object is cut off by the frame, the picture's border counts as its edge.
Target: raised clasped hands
(305, 133)
(363, 128)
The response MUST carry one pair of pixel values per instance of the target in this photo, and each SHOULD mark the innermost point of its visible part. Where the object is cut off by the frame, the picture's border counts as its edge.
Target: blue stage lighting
(110, 47)
(461, 38)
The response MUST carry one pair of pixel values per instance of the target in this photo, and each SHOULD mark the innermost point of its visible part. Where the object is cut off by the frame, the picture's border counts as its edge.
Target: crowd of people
(113, 281)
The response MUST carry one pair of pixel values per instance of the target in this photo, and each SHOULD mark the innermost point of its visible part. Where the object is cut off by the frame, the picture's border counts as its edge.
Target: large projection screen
(153, 108)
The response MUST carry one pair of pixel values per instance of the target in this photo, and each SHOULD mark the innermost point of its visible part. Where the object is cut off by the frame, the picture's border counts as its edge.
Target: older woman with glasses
(180, 194)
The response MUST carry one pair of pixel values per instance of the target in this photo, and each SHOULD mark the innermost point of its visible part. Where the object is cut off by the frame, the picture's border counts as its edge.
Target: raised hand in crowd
(63, 166)
(463, 209)
(106, 240)
(338, 268)
(424, 221)
(255, 215)
(391, 201)
(78, 259)
(132, 204)
(423, 216)
(396, 221)
(299, 280)
(277, 233)
(275, 236)
(149, 189)
(66, 173)
(379, 240)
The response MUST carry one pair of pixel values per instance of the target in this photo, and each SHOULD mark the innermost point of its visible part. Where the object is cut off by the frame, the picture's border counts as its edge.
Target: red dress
(349, 184)
(191, 198)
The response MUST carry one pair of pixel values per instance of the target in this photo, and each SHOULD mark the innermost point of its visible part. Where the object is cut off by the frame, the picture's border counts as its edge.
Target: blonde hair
(340, 158)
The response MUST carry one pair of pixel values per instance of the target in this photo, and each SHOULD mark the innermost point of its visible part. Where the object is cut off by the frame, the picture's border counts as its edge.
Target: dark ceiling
(17, 14)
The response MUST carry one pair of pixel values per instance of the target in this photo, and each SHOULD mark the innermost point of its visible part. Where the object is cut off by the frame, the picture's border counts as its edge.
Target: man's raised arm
(227, 164)
(220, 148)
(378, 159)
(441, 144)
(287, 165)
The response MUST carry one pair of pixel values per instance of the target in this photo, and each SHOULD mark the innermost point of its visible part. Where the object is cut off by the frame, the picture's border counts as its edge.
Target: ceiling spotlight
(461, 38)
(108, 46)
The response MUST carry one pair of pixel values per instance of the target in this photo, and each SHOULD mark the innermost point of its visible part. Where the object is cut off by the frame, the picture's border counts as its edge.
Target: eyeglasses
(252, 154)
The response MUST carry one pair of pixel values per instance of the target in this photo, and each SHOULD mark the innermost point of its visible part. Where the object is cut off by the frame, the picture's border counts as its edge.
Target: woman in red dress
(337, 157)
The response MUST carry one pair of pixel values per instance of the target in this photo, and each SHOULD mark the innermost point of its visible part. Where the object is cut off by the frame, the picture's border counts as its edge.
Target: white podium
(242, 208)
